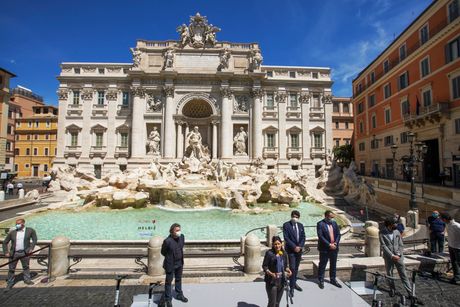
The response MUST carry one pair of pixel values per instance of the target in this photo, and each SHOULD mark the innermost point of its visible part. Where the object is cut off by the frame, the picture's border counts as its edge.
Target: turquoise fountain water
(141, 224)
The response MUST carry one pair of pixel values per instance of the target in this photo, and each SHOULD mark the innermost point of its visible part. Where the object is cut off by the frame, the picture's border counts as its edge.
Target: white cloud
(12, 61)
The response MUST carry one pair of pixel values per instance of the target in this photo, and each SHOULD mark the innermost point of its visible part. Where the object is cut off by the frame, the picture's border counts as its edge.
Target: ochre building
(342, 121)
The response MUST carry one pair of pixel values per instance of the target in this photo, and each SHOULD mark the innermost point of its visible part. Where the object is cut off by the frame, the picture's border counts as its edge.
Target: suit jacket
(270, 262)
(290, 236)
(168, 250)
(324, 239)
(30, 240)
(391, 247)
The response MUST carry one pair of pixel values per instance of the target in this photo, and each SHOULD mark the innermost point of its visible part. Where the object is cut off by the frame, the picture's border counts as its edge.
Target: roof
(8, 72)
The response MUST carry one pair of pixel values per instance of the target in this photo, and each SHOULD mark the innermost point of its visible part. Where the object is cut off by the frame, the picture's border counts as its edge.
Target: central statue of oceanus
(195, 151)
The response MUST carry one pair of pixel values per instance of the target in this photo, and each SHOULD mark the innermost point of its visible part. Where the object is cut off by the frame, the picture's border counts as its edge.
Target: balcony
(72, 151)
(270, 153)
(123, 110)
(122, 152)
(294, 152)
(294, 112)
(270, 111)
(317, 152)
(98, 151)
(429, 114)
(317, 113)
(100, 110)
(74, 110)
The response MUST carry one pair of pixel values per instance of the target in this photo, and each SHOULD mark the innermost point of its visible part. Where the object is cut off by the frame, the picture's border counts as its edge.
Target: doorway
(431, 162)
(35, 170)
(98, 171)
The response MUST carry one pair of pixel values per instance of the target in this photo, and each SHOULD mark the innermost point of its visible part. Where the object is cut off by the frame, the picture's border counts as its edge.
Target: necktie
(296, 232)
(331, 233)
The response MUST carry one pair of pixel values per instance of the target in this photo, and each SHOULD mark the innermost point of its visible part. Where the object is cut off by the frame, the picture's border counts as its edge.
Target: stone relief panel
(241, 104)
(154, 102)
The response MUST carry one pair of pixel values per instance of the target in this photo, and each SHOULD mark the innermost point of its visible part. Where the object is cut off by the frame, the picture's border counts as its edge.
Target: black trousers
(294, 262)
(274, 293)
(177, 274)
(454, 254)
(12, 266)
(324, 258)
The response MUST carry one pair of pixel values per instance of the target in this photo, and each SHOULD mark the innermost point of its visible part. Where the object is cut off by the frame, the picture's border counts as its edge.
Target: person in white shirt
(453, 233)
(19, 186)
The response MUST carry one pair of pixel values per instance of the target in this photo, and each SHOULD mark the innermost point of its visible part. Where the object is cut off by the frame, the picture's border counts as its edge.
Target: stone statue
(239, 142)
(154, 104)
(224, 58)
(184, 34)
(169, 58)
(210, 36)
(241, 104)
(194, 146)
(136, 57)
(198, 33)
(154, 142)
(256, 59)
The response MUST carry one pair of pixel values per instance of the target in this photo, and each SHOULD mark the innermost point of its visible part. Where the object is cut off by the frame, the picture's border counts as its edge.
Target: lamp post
(417, 151)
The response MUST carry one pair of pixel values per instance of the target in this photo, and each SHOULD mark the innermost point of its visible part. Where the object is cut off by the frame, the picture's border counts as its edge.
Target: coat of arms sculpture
(198, 33)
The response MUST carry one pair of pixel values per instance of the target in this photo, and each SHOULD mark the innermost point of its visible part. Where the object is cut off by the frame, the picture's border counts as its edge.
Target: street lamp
(417, 151)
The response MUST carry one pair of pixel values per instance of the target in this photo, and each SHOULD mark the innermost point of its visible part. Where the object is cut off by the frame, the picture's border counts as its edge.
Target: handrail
(26, 255)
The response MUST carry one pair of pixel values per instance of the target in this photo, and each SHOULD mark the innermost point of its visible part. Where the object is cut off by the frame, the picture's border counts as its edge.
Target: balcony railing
(72, 151)
(270, 111)
(294, 152)
(293, 111)
(317, 152)
(98, 151)
(270, 152)
(432, 112)
(121, 151)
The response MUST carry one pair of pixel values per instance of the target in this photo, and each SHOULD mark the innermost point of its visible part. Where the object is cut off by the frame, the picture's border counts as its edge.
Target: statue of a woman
(239, 141)
(154, 142)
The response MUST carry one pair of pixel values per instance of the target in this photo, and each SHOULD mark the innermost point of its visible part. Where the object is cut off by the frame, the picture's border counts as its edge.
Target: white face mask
(295, 220)
(178, 233)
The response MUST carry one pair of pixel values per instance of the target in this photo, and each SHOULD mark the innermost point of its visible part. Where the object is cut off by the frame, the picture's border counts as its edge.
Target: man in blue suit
(294, 237)
(328, 246)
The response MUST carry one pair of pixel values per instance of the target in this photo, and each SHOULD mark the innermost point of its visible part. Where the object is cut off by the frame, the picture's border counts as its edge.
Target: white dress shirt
(20, 239)
(453, 231)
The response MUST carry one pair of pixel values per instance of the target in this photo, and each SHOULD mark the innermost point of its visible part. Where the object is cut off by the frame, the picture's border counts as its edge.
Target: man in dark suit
(173, 251)
(23, 242)
(294, 237)
(328, 246)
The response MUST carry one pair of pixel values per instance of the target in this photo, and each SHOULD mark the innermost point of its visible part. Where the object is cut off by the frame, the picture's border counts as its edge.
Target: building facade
(5, 77)
(36, 142)
(413, 85)
(177, 94)
(342, 121)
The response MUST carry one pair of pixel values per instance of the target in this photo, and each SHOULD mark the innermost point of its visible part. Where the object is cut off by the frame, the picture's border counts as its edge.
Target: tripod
(379, 303)
(119, 278)
(287, 288)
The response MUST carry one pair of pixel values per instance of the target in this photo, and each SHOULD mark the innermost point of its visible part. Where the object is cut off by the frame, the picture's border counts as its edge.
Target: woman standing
(274, 265)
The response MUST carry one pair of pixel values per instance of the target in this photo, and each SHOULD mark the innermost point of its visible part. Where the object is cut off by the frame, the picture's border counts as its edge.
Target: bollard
(21, 193)
(402, 220)
(59, 261)
(252, 263)
(2, 195)
(371, 223)
(372, 242)
(155, 258)
(272, 231)
(242, 242)
(412, 218)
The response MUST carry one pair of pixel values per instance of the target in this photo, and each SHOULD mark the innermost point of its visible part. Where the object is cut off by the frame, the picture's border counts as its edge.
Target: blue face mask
(435, 215)
(18, 226)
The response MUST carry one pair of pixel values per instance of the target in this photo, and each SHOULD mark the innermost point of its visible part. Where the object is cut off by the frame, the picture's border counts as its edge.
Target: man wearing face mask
(392, 253)
(294, 237)
(23, 241)
(173, 251)
(437, 228)
(328, 246)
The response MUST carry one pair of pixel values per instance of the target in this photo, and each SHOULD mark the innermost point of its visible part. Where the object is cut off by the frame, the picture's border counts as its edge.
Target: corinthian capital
(226, 92)
(63, 93)
(169, 90)
(281, 97)
(304, 97)
(327, 98)
(138, 91)
(257, 93)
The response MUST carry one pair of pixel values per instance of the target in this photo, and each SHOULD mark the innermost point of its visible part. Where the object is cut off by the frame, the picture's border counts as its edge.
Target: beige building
(5, 77)
(342, 121)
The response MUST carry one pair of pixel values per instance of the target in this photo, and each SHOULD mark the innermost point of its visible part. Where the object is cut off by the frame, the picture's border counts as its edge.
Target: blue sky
(346, 35)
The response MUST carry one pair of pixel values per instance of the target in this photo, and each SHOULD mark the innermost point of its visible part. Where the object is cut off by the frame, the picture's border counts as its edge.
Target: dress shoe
(182, 298)
(321, 284)
(297, 287)
(335, 283)
(392, 293)
(169, 304)
(453, 281)
(28, 282)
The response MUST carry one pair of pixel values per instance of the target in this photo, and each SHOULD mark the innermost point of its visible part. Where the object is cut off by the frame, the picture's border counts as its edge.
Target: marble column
(257, 138)
(214, 139)
(226, 126)
(281, 97)
(180, 140)
(170, 145)
(187, 130)
(137, 141)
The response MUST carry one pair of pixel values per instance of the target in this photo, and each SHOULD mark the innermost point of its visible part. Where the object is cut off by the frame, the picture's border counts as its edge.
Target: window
(293, 100)
(362, 146)
(7, 160)
(27, 151)
(47, 136)
(99, 139)
(403, 137)
(374, 144)
(35, 151)
(405, 107)
(346, 125)
(74, 139)
(402, 52)
(424, 67)
(337, 142)
(371, 100)
(387, 91)
(453, 9)
(270, 102)
(8, 146)
(18, 124)
(124, 140)
(424, 34)
(388, 140)
(456, 87)
(9, 129)
(55, 151)
(46, 151)
(374, 121)
(426, 96)
(387, 116)
(292, 74)
(16, 152)
(360, 88)
(16, 167)
(452, 50)
(29, 124)
(295, 140)
(386, 66)
(346, 108)
(100, 97)
(457, 126)
(314, 75)
(318, 140)
(270, 140)
(315, 101)
(101, 71)
(37, 110)
(403, 80)
(28, 137)
(361, 127)
(36, 124)
(270, 73)
(360, 108)
(347, 141)
(76, 97)
(335, 107)
(17, 137)
(45, 167)
(77, 71)
(35, 136)
(336, 125)
(26, 165)
(125, 101)
(10, 114)
(372, 77)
